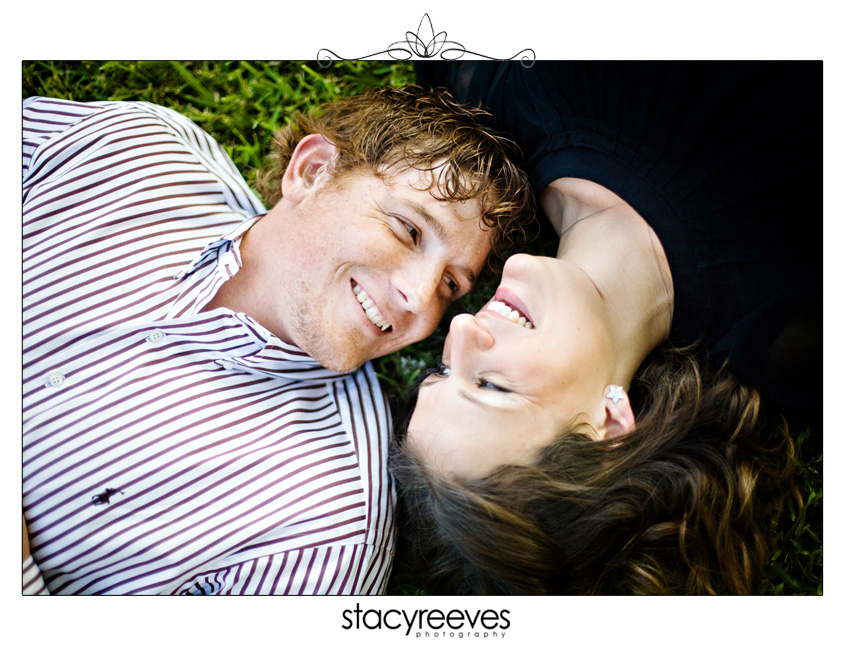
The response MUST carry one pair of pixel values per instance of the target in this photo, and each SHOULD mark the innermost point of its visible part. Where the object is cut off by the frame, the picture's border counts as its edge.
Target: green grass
(796, 566)
(242, 103)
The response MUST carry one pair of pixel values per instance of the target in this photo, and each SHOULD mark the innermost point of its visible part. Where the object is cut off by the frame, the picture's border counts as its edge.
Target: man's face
(366, 266)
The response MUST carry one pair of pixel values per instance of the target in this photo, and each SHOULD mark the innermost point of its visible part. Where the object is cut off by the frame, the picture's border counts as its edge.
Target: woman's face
(506, 390)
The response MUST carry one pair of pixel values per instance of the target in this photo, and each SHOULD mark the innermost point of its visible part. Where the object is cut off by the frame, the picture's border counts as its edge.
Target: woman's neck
(615, 247)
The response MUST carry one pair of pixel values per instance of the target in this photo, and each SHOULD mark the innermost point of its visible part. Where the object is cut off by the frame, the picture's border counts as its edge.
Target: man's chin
(337, 359)
(341, 367)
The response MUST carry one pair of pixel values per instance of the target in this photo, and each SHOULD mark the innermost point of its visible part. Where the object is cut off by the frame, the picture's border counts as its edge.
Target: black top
(722, 159)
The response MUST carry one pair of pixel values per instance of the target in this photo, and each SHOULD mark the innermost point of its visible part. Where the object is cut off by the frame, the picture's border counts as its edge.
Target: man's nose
(417, 286)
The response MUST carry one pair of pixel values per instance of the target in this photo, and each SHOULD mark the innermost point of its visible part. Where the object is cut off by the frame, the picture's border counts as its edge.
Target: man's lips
(370, 308)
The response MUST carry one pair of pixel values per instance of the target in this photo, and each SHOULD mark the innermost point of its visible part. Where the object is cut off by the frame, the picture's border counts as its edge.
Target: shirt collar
(280, 359)
(276, 358)
(224, 248)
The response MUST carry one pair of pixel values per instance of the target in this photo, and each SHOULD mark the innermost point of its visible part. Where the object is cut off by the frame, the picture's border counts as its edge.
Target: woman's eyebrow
(430, 379)
(468, 396)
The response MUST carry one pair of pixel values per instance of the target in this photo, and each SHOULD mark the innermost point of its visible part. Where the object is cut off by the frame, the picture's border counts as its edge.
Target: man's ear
(310, 160)
(618, 413)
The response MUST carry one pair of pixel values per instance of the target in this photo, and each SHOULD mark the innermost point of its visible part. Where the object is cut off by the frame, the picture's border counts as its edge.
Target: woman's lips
(508, 305)
(511, 302)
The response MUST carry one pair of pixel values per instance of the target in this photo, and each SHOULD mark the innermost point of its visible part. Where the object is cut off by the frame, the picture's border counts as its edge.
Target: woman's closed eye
(486, 385)
(440, 370)
(443, 370)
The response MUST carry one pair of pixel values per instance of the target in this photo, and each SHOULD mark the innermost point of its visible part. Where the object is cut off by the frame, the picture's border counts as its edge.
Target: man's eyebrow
(435, 225)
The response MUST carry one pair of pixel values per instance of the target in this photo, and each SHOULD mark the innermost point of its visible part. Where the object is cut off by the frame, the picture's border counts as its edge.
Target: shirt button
(227, 365)
(55, 380)
(155, 335)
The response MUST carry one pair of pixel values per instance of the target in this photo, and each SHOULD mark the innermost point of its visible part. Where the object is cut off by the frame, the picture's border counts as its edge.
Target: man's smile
(370, 309)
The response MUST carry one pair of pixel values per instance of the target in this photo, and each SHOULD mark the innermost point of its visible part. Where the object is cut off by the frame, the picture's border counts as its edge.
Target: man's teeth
(369, 308)
(510, 313)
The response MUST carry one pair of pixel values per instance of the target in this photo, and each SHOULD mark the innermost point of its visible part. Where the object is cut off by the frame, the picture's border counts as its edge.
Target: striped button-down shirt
(168, 450)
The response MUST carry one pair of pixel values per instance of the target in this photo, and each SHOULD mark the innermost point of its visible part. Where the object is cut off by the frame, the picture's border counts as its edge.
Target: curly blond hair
(389, 130)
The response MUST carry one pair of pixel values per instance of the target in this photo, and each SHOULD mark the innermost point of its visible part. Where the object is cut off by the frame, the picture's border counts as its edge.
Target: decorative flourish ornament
(425, 44)
(616, 392)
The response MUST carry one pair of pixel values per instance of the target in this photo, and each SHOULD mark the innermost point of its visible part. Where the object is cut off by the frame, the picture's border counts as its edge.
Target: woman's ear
(618, 413)
(310, 160)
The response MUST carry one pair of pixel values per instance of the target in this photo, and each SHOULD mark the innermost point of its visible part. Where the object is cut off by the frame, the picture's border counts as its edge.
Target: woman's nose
(519, 265)
(466, 335)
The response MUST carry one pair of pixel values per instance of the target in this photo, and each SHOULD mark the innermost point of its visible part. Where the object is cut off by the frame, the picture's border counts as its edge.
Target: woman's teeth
(369, 308)
(510, 313)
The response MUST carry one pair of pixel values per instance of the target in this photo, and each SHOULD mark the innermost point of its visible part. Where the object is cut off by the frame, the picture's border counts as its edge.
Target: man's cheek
(429, 322)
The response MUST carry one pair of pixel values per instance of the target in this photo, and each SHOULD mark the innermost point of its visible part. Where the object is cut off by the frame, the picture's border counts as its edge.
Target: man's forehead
(442, 181)
(426, 199)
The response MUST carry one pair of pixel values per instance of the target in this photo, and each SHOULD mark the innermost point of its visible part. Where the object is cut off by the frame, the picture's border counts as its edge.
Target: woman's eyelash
(442, 370)
(486, 385)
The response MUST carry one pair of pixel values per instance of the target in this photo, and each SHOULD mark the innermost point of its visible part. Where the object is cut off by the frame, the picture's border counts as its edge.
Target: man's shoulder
(365, 382)
(125, 131)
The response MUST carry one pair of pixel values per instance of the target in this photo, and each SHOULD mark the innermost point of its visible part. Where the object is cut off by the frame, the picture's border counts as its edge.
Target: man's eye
(453, 286)
(410, 227)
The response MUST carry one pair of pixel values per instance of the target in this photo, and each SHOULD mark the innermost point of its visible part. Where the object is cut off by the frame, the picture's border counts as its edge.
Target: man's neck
(245, 291)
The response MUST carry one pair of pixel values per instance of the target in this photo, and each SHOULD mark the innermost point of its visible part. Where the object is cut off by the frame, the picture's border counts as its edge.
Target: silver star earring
(616, 392)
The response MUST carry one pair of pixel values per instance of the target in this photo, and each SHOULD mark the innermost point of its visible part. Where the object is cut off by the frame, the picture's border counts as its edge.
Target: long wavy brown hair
(682, 505)
(388, 130)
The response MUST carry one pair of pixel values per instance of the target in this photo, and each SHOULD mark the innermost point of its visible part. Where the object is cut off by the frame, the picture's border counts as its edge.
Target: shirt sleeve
(33, 582)
(53, 137)
(46, 118)
(358, 569)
